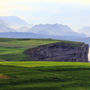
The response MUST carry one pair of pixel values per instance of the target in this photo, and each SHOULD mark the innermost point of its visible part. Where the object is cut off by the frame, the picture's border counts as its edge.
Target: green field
(19, 72)
(44, 76)
(13, 49)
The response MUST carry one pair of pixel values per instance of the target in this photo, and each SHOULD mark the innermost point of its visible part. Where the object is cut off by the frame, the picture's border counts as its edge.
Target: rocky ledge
(66, 52)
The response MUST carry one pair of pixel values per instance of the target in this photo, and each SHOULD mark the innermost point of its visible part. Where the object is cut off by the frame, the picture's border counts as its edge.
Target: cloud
(13, 7)
(85, 30)
(51, 1)
(72, 12)
(29, 5)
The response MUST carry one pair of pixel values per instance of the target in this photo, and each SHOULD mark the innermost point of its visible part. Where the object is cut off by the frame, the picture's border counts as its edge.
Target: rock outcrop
(61, 51)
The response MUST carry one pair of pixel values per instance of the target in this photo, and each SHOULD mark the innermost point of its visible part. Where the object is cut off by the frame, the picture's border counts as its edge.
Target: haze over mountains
(85, 30)
(4, 28)
(14, 27)
(13, 22)
(54, 29)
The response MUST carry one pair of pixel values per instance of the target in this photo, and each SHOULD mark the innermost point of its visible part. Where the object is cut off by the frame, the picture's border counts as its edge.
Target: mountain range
(16, 24)
(15, 27)
(54, 29)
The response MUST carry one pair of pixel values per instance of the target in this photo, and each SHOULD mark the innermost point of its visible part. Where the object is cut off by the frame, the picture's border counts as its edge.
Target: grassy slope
(12, 49)
(30, 43)
(45, 76)
(39, 75)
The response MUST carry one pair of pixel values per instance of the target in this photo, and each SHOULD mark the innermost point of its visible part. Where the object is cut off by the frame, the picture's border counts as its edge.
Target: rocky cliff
(61, 51)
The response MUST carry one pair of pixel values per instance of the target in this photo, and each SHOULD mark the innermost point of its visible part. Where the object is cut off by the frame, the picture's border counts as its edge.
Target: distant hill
(54, 29)
(20, 35)
(35, 35)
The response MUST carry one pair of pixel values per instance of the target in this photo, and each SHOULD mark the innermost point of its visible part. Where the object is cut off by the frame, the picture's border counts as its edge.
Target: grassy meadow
(32, 75)
(18, 72)
(13, 49)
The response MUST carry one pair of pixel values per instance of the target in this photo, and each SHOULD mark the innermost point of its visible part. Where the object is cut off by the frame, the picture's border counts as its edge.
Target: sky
(75, 13)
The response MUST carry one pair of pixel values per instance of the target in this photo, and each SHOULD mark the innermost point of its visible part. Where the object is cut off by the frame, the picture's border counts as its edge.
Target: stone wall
(59, 52)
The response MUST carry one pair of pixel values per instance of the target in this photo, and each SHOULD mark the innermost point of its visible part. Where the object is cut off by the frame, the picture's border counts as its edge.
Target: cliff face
(60, 52)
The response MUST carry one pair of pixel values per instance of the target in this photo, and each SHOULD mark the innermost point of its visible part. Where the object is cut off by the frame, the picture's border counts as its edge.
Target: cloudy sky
(75, 13)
